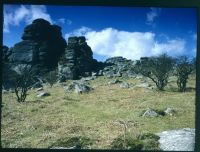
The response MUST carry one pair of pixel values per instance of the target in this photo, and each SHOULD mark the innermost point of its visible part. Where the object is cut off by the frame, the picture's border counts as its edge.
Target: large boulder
(42, 44)
(77, 60)
(177, 140)
(78, 87)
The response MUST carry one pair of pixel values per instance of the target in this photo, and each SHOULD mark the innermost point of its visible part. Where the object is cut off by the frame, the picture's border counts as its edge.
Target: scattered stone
(78, 87)
(94, 73)
(43, 94)
(124, 85)
(81, 88)
(39, 89)
(114, 81)
(70, 87)
(144, 85)
(100, 73)
(4, 91)
(150, 113)
(177, 140)
(37, 85)
(139, 77)
(170, 111)
(74, 147)
(88, 78)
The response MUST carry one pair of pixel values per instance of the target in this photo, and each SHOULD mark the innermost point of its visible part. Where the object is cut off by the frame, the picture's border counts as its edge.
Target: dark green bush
(51, 77)
(78, 142)
(142, 142)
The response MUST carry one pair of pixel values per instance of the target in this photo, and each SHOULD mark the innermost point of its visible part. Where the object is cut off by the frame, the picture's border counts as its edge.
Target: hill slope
(48, 121)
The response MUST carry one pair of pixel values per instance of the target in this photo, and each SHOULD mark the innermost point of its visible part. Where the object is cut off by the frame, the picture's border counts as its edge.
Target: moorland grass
(42, 122)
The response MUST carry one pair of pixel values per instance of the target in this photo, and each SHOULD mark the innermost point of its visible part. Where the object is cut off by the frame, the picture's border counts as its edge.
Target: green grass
(41, 122)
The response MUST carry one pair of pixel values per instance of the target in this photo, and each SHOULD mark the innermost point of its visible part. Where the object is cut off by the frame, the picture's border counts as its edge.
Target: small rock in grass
(170, 111)
(43, 94)
(150, 113)
(39, 89)
(124, 85)
(81, 88)
(114, 81)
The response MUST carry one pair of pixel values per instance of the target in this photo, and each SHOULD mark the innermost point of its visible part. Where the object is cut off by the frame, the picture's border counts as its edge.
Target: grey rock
(81, 88)
(77, 60)
(143, 85)
(74, 147)
(4, 91)
(170, 111)
(177, 140)
(78, 87)
(109, 74)
(100, 73)
(37, 85)
(88, 78)
(150, 113)
(124, 85)
(43, 94)
(94, 73)
(39, 89)
(139, 77)
(42, 44)
(114, 81)
(70, 87)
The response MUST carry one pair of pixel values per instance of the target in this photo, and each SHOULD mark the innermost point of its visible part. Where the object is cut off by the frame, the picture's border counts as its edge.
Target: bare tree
(23, 81)
(158, 69)
(184, 68)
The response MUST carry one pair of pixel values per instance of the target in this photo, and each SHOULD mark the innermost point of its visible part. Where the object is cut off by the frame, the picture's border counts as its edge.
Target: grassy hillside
(44, 122)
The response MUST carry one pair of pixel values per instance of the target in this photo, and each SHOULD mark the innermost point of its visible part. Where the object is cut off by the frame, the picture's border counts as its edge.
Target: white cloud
(63, 21)
(24, 13)
(131, 45)
(38, 11)
(152, 15)
(78, 32)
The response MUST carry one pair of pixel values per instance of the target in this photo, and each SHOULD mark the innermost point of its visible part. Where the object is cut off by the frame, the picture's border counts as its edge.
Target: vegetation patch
(142, 142)
(78, 142)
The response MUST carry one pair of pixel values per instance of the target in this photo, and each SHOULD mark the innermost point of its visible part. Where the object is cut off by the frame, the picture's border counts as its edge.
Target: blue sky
(131, 32)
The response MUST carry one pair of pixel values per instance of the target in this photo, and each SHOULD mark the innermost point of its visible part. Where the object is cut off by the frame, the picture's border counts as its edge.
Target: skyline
(131, 32)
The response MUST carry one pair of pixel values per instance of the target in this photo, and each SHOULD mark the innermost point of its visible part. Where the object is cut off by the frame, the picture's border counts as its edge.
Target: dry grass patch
(40, 122)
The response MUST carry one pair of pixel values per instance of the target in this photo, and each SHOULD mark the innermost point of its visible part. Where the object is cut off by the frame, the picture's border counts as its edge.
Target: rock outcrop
(77, 60)
(177, 140)
(42, 44)
(119, 67)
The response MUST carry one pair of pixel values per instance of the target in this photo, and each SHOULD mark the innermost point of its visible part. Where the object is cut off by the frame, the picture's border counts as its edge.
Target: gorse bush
(142, 142)
(79, 142)
(51, 77)
(183, 69)
(158, 69)
(22, 81)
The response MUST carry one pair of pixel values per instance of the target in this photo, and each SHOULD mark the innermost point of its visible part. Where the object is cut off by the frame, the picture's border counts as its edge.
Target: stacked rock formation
(42, 44)
(77, 60)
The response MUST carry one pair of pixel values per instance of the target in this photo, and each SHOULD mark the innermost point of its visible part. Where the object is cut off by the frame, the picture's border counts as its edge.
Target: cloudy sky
(131, 32)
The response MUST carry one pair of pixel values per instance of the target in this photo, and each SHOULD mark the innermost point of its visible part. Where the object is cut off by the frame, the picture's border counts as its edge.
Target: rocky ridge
(44, 48)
